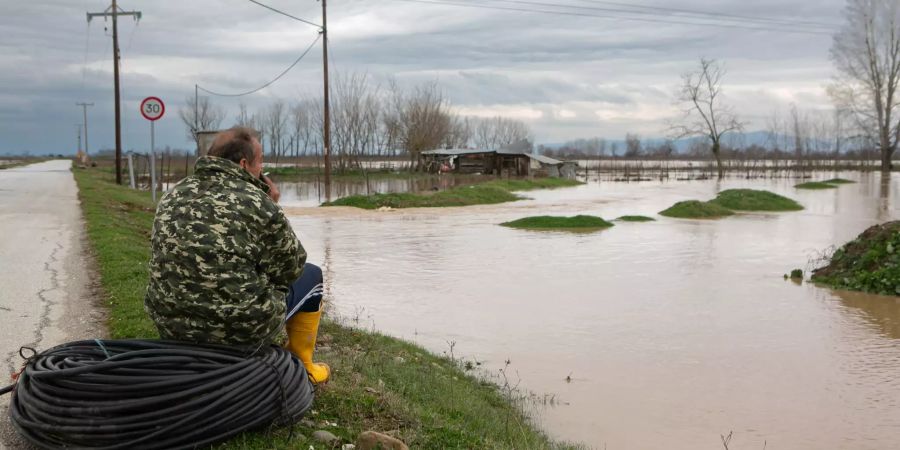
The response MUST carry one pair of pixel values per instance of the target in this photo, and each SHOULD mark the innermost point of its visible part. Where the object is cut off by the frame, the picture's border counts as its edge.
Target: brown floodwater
(673, 332)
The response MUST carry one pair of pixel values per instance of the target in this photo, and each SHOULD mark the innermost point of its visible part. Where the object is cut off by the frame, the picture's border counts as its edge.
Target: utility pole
(114, 12)
(327, 115)
(196, 120)
(84, 110)
(78, 129)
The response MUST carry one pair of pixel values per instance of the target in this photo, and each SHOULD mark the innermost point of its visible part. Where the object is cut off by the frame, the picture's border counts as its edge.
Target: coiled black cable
(127, 394)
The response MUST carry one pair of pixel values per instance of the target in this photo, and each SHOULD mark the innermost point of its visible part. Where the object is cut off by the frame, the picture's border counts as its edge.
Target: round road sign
(152, 108)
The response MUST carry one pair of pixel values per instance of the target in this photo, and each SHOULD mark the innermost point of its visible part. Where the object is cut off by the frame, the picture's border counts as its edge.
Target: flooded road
(673, 332)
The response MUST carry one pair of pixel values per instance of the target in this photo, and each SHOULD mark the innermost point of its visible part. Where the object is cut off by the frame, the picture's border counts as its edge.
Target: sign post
(152, 108)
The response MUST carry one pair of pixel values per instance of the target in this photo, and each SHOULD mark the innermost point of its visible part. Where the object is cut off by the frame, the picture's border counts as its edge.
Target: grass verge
(815, 185)
(378, 383)
(695, 209)
(755, 200)
(636, 219)
(491, 192)
(559, 223)
(869, 263)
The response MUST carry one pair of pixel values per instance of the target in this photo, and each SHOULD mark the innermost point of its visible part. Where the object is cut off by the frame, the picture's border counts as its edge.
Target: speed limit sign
(152, 108)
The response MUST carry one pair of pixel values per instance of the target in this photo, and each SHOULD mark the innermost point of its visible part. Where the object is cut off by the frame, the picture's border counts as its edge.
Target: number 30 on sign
(152, 108)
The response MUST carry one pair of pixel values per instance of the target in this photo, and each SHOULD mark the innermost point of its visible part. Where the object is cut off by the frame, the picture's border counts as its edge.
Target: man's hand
(274, 193)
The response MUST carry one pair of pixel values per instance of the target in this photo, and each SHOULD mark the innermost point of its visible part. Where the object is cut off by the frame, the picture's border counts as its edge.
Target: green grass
(491, 192)
(118, 227)
(839, 181)
(559, 223)
(754, 200)
(695, 209)
(815, 185)
(433, 401)
(869, 263)
(636, 219)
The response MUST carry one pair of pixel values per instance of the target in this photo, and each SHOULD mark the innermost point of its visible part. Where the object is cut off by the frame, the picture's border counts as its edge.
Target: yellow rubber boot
(302, 329)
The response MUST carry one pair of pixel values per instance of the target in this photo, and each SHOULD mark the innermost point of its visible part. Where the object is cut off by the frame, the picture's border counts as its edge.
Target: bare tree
(632, 145)
(244, 119)
(498, 132)
(202, 116)
(422, 117)
(866, 54)
(272, 123)
(705, 115)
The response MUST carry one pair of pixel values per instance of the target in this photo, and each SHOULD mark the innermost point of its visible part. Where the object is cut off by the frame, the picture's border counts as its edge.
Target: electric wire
(669, 13)
(241, 94)
(87, 46)
(613, 17)
(126, 394)
(713, 14)
(286, 14)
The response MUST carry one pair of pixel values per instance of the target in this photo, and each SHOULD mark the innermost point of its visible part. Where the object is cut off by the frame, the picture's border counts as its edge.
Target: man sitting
(225, 265)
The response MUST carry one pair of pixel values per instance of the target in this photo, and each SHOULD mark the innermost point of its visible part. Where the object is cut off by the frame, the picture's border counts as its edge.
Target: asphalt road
(45, 293)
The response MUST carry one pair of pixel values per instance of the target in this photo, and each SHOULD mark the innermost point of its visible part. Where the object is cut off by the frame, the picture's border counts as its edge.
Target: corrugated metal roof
(544, 159)
(456, 151)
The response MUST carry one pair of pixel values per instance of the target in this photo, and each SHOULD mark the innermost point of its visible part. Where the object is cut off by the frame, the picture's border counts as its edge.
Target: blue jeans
(309, 285)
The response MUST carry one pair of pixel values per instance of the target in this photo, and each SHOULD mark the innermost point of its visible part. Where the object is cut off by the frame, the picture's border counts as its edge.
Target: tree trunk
(717, 153)
(886, 156)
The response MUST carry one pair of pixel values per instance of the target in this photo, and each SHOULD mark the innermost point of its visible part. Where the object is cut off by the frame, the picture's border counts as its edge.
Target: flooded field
(672, 332)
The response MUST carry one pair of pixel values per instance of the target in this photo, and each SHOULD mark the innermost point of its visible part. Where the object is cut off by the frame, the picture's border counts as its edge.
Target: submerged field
(616, 331)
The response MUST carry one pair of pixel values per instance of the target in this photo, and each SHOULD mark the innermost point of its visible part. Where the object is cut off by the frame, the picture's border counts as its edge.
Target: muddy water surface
(673, 332)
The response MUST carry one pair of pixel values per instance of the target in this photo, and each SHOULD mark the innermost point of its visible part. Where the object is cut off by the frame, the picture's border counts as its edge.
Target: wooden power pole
(327, 116)
(114, 12)
(84, 106)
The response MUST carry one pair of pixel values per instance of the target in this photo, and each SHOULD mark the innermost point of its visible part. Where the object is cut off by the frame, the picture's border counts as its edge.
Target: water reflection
(674, 331)
(881, 311)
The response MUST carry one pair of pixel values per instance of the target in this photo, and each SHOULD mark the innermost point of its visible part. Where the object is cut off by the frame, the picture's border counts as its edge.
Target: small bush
(695, 209)
(815, 185)
(755, 200)
(636, 219)
(869, 263)
(797, 273)
(839, 181)
(554, 223)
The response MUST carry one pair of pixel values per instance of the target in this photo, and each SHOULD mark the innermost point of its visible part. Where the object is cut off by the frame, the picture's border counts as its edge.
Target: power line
(714, 14)
(270, 82)
(286, 14)
(607, 16)
(669, 13)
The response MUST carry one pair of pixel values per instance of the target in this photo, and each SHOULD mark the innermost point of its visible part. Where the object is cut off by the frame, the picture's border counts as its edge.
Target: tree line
(368, 119)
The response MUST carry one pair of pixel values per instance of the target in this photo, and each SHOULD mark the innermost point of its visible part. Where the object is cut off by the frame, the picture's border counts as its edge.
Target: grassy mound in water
(378, 382)
(815, 185)
(636, 219)
(755, 200)
(559, 223)
(869, 263)
(839, 181)
(695, 209)
(497, 191)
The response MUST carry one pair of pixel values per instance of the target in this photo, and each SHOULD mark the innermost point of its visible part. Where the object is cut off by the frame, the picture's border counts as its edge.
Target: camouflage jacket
(222, 257)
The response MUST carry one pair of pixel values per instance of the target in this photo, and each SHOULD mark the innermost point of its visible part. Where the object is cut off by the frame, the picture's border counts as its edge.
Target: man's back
(222, 258)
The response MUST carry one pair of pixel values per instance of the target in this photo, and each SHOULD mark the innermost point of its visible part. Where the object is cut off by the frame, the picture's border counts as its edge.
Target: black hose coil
(130, 394)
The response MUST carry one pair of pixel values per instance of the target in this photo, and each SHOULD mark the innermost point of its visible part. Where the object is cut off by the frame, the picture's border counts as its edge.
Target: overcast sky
(567, 76)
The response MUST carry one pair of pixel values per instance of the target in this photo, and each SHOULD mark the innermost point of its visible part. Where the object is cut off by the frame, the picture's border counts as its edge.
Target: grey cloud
(481, 58)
